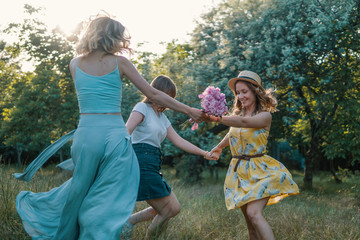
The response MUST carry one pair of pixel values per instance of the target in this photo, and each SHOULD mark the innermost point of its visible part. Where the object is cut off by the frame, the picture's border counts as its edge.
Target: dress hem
(282, 195)
(151, 198)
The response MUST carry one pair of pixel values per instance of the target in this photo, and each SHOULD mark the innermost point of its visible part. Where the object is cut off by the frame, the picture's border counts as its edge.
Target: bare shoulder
(74, 61)
(123, 64)
(73, 64)
(122, 60)
(265, 114)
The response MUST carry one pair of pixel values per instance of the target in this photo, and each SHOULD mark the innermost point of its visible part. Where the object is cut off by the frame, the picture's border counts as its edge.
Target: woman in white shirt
(149, 127)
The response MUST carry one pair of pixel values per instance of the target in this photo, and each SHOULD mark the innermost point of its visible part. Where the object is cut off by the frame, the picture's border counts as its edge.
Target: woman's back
(97, 64)
(98, 83)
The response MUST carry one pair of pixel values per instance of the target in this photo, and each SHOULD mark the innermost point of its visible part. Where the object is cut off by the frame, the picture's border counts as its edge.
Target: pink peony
(213, 101)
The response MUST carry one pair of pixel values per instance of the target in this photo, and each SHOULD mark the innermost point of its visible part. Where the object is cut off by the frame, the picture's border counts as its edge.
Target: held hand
(197, 115)
(216, 152)
(211, 118)
(206, 118)
(209, 156)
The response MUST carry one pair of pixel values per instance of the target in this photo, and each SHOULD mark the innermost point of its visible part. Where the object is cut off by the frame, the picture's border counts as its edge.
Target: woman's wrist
(219, 147)
(216, 119)
(205, 154)
(191, 112)
(188, 111)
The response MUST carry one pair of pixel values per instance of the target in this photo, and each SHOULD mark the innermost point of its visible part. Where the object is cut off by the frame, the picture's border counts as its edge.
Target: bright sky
(149, 21)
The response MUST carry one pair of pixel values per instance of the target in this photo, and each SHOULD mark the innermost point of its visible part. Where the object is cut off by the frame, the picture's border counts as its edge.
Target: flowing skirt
(255, 179)
(101, 195)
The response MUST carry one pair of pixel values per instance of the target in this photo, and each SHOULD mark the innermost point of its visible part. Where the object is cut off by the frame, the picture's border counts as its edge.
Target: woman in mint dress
(99, 198)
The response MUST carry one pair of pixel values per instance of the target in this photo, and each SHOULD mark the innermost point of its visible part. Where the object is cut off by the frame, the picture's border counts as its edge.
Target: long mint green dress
(101, 195)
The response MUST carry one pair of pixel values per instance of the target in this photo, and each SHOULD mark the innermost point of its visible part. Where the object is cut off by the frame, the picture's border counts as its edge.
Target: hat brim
(232, 82)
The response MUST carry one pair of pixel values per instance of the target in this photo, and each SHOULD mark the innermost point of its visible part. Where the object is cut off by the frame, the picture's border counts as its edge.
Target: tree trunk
(308, 176)
(334, 173)
(309, 163)
(18, 152)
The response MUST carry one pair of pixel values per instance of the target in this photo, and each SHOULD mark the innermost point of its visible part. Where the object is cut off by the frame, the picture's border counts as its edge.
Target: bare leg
(251, 230)
(166, 208)
(254, 211)
(144, 215)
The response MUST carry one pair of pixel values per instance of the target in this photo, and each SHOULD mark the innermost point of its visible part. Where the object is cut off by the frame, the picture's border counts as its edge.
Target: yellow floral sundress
(258, 177)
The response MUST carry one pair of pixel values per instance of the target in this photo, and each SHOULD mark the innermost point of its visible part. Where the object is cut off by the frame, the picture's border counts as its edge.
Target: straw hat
(246, 76)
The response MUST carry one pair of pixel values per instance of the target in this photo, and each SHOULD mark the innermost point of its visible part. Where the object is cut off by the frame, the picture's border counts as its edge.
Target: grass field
(329, 211)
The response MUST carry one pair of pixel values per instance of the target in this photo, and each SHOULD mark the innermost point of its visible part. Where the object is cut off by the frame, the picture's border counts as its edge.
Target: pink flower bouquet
(213, 102)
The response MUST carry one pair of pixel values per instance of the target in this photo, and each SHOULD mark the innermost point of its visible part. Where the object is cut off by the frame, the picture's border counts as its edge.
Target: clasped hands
(214, 154)
(198, 116)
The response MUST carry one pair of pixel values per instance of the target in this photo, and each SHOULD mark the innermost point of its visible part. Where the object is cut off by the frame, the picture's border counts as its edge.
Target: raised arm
(261, 120)
(128, 69)
(183, 144)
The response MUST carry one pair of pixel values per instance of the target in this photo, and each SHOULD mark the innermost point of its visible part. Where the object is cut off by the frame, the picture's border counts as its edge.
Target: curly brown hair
(265, 100)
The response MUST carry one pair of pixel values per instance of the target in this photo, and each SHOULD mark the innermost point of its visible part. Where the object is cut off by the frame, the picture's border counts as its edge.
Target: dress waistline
(245, 157)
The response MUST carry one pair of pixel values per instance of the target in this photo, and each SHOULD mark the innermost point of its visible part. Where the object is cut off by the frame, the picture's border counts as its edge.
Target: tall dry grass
(329, 211)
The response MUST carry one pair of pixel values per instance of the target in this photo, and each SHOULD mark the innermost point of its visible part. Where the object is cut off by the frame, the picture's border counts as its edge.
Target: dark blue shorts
(152, 184)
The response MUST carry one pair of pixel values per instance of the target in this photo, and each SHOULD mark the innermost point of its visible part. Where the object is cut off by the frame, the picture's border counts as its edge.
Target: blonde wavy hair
(104, 33)
(265, 101)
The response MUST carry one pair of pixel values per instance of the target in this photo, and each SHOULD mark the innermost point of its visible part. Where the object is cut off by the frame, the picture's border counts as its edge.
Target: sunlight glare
(148, 22)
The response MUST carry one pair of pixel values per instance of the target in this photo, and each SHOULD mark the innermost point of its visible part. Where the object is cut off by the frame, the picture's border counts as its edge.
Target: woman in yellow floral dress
(254, 180)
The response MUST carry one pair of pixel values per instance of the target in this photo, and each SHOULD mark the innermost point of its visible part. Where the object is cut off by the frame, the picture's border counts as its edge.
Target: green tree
(308, 50)
(9, 72)
(41, 105)
(311, 48)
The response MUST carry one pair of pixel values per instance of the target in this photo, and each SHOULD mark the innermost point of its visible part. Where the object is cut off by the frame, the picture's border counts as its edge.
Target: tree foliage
(308, 50)
(38, 106)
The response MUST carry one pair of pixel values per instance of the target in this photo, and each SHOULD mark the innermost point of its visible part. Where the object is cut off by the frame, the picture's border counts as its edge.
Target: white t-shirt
(153, 129)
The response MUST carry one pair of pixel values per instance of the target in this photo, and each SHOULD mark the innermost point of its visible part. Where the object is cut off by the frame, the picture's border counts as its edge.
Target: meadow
(329, 211)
